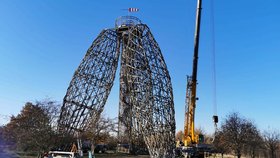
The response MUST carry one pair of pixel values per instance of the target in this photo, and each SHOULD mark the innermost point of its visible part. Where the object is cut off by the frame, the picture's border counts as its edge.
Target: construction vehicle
(193, 142)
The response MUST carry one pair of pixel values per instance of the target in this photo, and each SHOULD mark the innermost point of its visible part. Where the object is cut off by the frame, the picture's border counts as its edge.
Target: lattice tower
(146, 108)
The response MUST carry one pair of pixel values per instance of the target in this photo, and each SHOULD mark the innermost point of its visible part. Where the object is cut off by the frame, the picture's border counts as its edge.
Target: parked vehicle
(62, 154)
(123, 148)
(100, 148)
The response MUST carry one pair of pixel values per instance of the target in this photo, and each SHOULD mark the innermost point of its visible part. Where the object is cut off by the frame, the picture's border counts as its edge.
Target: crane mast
(189, 134)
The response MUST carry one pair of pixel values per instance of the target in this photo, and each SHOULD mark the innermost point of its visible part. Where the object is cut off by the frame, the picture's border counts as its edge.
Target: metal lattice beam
(91, 84)
(146, 111)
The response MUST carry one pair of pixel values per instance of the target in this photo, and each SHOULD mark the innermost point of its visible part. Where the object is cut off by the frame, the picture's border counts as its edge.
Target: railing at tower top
(126, 21)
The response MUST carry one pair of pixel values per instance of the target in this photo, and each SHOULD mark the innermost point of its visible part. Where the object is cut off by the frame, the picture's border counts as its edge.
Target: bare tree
(101, 130)
(272, 140)
(237, 132)
(254, 143)
(51, 108)
(220, 144)
(179, 135)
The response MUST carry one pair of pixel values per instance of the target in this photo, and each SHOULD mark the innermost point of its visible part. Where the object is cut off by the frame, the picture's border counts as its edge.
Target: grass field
(119, 156)
(111, 155)
(11, 154)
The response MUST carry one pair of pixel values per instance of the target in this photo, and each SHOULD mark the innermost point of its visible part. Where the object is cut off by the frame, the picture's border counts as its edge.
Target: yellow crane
(190, 137)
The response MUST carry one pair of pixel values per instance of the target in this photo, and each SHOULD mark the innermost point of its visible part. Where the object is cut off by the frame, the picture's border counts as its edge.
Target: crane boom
(189, 135)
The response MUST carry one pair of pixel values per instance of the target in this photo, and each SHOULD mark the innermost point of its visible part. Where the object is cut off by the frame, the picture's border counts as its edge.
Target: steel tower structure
(146, 108)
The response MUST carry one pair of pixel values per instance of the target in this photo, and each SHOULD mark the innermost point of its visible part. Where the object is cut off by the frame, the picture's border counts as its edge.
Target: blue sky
(43, 42)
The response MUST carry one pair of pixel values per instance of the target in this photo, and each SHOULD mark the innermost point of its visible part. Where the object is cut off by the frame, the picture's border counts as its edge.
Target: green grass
(118, 155)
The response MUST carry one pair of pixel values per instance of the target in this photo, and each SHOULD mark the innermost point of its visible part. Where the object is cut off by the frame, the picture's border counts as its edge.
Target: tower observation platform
(127, 21)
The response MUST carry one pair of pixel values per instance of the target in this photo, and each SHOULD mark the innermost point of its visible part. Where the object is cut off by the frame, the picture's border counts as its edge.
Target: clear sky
(42, 43)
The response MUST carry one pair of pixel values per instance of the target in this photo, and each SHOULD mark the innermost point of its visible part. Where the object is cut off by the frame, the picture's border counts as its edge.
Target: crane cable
(213, 51)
